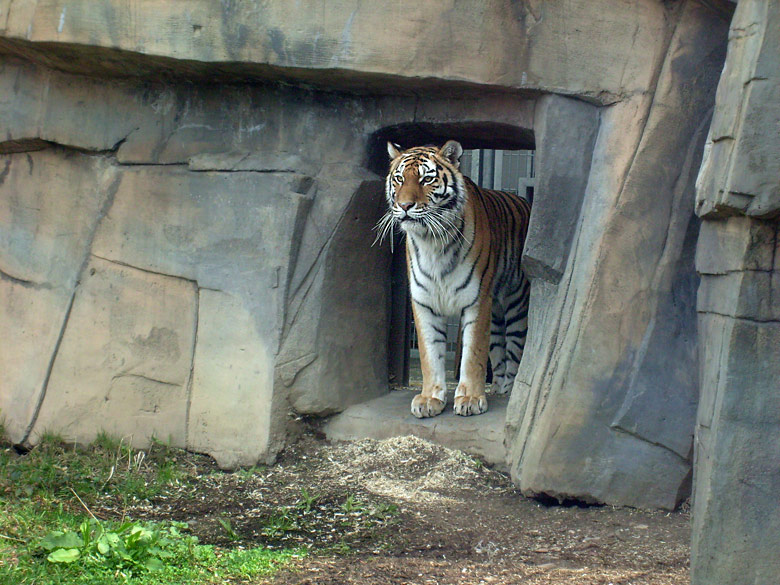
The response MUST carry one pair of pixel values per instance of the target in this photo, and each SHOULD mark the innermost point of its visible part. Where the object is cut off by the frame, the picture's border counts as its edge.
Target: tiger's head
(425, 192)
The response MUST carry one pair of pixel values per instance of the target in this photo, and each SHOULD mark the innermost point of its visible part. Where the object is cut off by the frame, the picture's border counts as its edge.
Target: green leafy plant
(281, 522)
(50, 536)
(130, 546)
(384, 511)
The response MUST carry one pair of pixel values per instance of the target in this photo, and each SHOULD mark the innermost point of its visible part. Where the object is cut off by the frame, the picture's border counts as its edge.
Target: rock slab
(736, 525)
(389, 416)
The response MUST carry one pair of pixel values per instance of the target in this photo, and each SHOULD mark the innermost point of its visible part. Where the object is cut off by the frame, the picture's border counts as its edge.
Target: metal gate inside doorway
(503, 170)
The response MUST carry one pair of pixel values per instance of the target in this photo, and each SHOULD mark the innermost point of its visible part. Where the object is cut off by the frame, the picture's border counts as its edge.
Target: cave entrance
(499, 169)
(496, 156)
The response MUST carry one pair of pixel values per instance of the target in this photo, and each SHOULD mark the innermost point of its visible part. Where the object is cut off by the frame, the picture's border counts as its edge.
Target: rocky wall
(243, 210)
(601, 50)
(605, 401)
(187, 204)
(736, 526)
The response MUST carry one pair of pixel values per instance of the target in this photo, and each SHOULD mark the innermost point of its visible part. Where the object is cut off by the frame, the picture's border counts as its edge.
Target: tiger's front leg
(470, 396)
(432, 339)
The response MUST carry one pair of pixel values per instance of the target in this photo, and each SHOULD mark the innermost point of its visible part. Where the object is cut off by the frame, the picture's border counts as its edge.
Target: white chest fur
(442, 278)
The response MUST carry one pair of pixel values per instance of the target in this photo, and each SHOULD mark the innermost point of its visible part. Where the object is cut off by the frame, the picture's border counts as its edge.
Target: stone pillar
(736, 511)
(604, 405)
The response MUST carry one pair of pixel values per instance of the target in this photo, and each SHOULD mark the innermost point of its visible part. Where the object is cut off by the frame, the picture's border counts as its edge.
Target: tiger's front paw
(426, 406)
(470, 405)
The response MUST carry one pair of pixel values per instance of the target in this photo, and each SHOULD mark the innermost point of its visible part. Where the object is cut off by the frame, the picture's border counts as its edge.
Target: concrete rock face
(187, 200)
(604, 403)
(736, 529)
(249, 223)
(353, 44)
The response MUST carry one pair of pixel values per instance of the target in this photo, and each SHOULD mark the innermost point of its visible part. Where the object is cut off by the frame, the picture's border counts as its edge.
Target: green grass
(49, 534)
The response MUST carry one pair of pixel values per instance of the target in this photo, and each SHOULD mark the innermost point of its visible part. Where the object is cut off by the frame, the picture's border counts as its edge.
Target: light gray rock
(389, 416)
(232, 385)
(614, 52)
(124, 363)
(39, 105)
(351, 364)
(742, 159)
(604, 411)
(736, 245)
(233, 234)
(739, 413)
(44, 242)
(31, 318)
(225, 156)
(565, 132)
(736, 526)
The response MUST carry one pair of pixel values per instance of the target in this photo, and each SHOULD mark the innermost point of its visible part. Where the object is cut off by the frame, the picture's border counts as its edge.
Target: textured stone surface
(38, 104)
(736, 525)
(389, 416)
(741, 166)
(351, 364)
(565, 132)
(225, 189)
(736, 528)
(232, 386)
(349, 43)
(229, 233)
(44, 242)
(253, 201)
(605, 411)
(31, 320)
(124, 363)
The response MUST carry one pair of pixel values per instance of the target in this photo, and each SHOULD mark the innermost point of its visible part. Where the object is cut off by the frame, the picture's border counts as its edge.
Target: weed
(249, 472)
(352, 505)
(384, 511)
(230, 532)
(50, 536)
(341, 548)
(254, 562)
(307, 501)
(279, 523)
(129, 547)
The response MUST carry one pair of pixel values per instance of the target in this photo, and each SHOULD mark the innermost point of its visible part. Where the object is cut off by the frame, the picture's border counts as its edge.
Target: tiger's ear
(451, 152)
(393, 150)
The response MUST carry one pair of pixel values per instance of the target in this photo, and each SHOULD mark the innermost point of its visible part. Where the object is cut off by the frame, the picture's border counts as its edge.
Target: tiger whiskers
(383, 227)
(435, 228)
(446, 225)
(440, 224)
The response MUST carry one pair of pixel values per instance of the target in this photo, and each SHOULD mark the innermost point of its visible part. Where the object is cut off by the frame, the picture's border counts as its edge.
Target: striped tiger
(463, 259)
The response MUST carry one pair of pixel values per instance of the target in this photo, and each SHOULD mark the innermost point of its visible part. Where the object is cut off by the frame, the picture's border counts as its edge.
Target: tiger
(463, 250)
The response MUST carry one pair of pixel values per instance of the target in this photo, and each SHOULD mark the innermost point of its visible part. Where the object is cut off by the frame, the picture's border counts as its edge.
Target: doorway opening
(499, 169)
(496, 156)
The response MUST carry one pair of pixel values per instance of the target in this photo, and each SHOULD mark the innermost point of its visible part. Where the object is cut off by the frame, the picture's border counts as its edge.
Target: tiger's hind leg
(497, 350)
(516, 321)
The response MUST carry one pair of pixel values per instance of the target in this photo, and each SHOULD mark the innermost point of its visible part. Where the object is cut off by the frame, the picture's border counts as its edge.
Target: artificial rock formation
(736, 529)
(187, 200)
(603, 409)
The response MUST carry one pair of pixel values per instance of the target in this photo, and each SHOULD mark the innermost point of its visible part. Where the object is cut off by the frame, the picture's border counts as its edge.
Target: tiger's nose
(407, 205)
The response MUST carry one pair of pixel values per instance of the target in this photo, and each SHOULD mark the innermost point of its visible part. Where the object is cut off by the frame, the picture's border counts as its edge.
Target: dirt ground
(405, 511)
